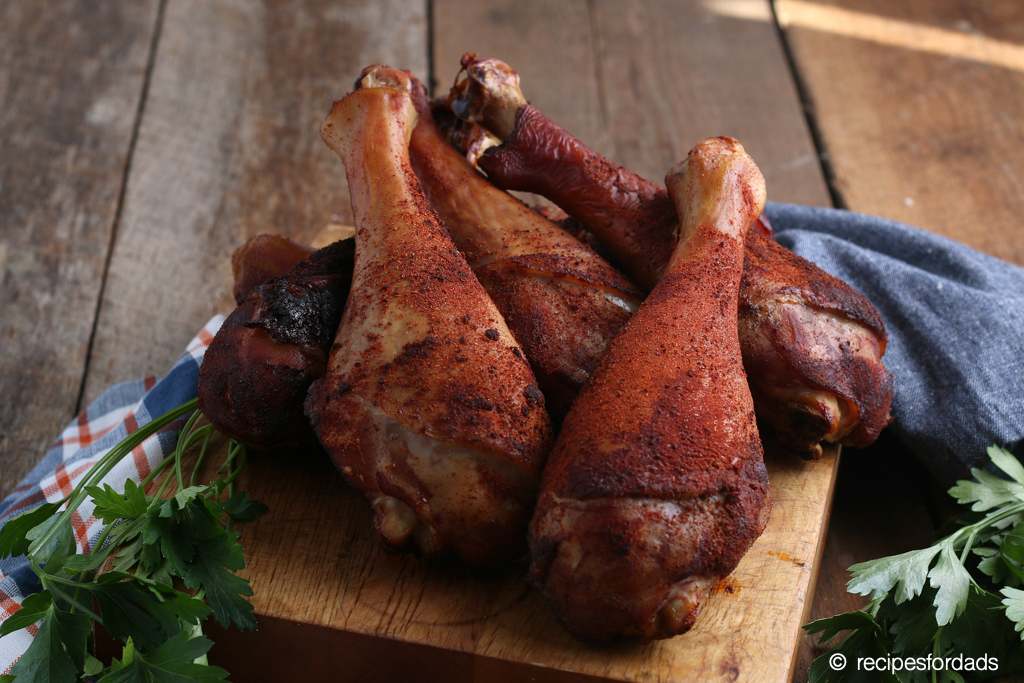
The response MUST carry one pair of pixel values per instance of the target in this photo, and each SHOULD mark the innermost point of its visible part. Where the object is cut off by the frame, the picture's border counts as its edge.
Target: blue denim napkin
(955, 319)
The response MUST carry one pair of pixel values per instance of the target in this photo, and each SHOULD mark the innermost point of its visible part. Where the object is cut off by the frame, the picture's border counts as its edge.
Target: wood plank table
(141, 142)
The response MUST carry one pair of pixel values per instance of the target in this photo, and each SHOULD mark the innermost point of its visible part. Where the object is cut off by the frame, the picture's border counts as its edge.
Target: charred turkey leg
(258, 369)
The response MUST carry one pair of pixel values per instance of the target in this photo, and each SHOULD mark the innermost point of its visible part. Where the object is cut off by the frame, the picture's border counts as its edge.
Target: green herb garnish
(187, 536)
(955, 597)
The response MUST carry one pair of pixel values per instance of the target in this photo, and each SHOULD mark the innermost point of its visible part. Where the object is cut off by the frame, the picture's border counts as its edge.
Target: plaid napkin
(118, 412)
(955, 319)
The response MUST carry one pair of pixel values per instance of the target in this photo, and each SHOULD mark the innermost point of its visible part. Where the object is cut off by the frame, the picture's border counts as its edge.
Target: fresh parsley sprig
(186, 537)
(929, 603)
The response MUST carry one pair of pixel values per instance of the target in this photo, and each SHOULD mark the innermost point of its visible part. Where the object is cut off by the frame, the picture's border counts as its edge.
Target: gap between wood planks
(602, 92)
(431, 73)
(807, 107)
(139, 111)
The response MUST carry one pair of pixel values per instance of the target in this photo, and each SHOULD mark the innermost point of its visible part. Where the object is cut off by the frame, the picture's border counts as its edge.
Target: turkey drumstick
(657, 486)
(632, 216)
(812, 346)
(255, 375)
(562, 302)
(428, 407)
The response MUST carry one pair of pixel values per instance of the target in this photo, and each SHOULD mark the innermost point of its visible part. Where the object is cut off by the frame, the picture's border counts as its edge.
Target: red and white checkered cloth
(118, 412)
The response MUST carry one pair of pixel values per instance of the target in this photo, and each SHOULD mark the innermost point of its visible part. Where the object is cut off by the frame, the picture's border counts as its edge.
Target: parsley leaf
(46, 546)
(927, 603)
(831, 626)
(952, 580)
(204, 554)
(241, 508)
(148, 612)
(989, 491)
(172, 662)
(906, 573)
(112, 506)
(58, 649)
(154, 542)
(862, 642)
(1013, 601)
(33, 608)
(14, 540)
(1005, 460)
(131, 670)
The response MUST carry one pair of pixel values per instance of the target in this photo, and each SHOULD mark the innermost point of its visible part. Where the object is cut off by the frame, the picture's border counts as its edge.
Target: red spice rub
(656, 486)
(425, 390)
(816, 373)
(632, 216)
(562, 302)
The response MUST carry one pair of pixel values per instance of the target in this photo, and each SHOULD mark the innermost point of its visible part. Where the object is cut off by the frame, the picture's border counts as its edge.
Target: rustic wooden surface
(947, 159)
(71, 78)
(903, 502)
(916, 103)
(229, 147)
(921, 109)
(643, 82)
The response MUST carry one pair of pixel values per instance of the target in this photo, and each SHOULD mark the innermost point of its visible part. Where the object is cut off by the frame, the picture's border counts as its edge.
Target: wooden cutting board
(333, 606)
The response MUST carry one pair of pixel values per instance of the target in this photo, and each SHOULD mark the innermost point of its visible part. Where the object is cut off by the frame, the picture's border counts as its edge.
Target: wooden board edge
(285, 649)
(819, 552)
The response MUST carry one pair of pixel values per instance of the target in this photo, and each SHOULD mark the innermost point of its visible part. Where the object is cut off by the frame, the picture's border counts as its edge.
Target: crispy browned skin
(657, 486)
(256, 373)
(633, 216)
(812, 348)
(472, 140)
(428, 406)
(263, 257)
(812, 345)
(562, 302)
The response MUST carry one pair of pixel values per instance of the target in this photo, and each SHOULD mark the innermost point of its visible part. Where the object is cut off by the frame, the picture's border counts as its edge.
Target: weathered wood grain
(230, 147)
(921, 108)
(916, 134)
(71, 77)
(677, 73)
(643, 82)
(346, 610)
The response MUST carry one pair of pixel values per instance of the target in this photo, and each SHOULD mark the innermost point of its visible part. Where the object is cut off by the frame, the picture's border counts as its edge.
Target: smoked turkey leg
(562, 302)
(812, 346)
(428, 406)
(656, 486)
(258, 369)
